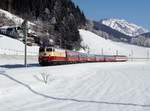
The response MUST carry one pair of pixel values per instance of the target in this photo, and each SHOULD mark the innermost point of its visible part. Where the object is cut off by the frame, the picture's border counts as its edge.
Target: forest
(60, 18)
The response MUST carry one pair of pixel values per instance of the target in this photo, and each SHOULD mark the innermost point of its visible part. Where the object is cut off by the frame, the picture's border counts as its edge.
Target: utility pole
(116, 52)
(88, 50)
(60, 43)
(65, 44)
(131, 55)
(24, 27)
(148, 55)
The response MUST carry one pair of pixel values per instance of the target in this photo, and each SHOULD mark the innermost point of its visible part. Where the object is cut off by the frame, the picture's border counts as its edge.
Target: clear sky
(134, 11)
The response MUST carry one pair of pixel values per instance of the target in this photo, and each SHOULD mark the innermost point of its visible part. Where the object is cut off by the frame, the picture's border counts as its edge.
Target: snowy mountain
(124, 27)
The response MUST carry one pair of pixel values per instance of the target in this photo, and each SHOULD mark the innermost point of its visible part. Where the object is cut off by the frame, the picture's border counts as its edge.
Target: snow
(82, 87)
(123, 86)
(97, 45)
(11, 46)
(124, 26)
(17, 20)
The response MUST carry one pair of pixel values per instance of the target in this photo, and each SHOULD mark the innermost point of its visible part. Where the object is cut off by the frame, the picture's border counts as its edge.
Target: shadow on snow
(10, 66)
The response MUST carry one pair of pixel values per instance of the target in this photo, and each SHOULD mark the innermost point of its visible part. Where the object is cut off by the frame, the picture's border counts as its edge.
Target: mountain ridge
(124, 26)
(107, 32)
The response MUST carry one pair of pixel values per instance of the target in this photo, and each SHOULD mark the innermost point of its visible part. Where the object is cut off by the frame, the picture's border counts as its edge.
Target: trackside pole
(25, 30)
(25, 55)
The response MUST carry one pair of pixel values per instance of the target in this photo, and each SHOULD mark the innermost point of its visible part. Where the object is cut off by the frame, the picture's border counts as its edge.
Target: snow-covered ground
(14, 61)
(123, 86)
(79, 87)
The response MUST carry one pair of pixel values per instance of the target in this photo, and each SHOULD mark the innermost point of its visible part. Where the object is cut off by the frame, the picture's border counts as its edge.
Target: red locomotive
(51, 55)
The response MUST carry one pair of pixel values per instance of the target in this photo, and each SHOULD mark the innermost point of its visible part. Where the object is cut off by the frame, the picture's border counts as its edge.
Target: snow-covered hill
(11, 46)
(97, 45)
(17, 20)
(124, 27)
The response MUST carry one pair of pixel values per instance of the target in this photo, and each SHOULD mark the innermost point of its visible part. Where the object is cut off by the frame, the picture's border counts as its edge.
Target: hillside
(90, 42)
(9, 46)
(143, 39)
(54, 19)
(110, 33)
(96, 44)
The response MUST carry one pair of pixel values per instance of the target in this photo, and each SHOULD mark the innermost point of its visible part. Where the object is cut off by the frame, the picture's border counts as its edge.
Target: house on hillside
(11, 31)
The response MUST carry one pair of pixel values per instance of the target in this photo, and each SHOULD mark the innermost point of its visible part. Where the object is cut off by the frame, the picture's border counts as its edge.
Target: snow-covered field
(78, 87)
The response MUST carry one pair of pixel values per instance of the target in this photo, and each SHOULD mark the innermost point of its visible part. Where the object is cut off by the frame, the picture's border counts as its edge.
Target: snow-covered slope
(97, 45)
(11, 46)
(124, 27)
(17, 20)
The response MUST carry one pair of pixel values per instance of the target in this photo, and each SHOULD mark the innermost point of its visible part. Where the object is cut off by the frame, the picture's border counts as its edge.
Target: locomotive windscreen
(42, 49)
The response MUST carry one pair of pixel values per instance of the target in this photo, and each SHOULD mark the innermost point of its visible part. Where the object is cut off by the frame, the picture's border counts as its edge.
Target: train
(52, 55)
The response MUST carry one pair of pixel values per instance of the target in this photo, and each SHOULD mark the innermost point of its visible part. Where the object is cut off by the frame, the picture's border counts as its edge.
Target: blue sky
(135, 11)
